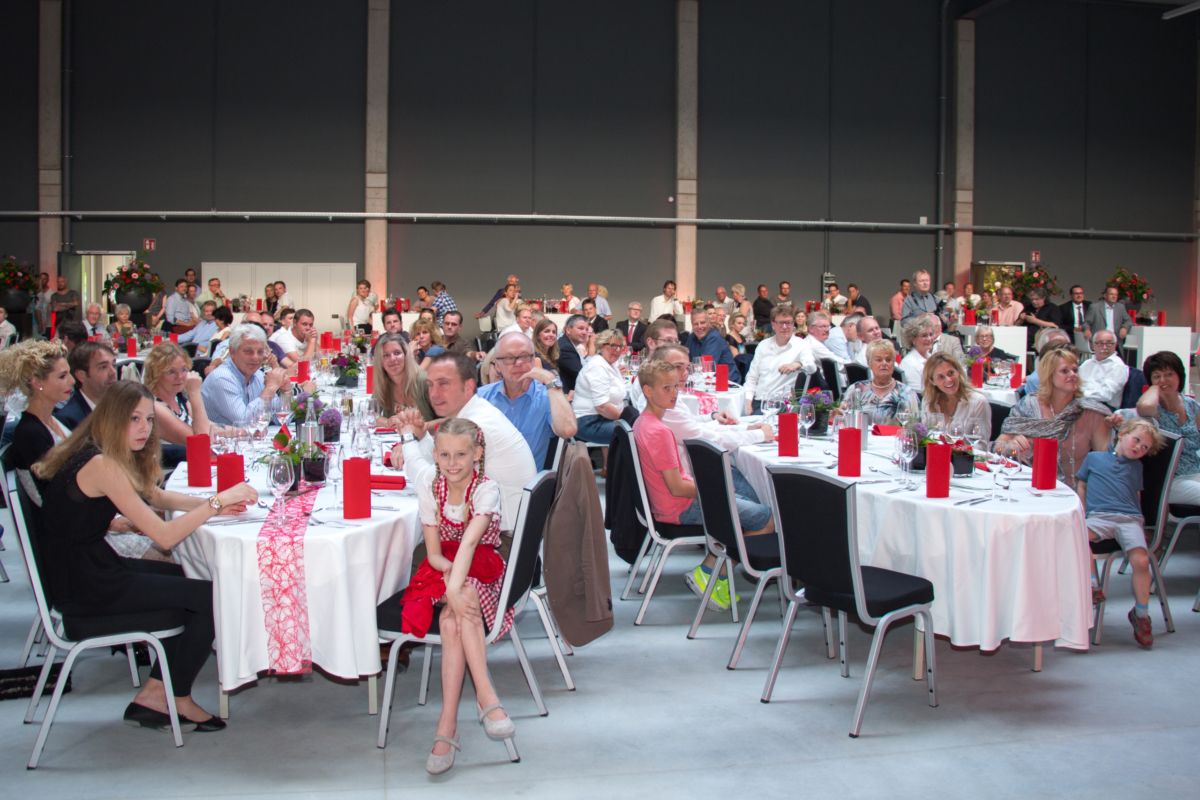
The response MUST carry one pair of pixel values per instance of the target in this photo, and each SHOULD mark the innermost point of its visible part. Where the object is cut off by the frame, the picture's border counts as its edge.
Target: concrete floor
(656, 715)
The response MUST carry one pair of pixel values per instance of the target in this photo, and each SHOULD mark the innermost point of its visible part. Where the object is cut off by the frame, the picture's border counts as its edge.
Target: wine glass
(280, 476)
(995, 460)
(933, 421)
(907, 446)
(957, 431)
(903, 416)
(220, 441)
(836, 423)
(974, 433)
(808, 415)
(360, 444)
(1011, 466)
(333, 466)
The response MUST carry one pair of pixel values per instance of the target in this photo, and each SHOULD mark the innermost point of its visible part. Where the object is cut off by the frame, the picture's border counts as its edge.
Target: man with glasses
(703, 341)
(661, 332)
(777, 360)
(1008, 310)
(1104, 375)
(819, 326)
(1074, 311)
(530, 397)
(868, 331)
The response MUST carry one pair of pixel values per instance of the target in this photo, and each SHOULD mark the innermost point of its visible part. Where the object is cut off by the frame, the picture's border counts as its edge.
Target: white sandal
(436, 765)
(499, 728)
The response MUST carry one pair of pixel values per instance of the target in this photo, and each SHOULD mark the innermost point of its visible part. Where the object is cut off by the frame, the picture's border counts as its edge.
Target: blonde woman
(740, 304)
(178, 407)
(111, 464)
(399, 382)
(568, 292)
(425, 340)
(882, 394)
(948, 391)
(600, 390)
(506, 307)
(38, 369)
(489, 372)
(735, 337)
(270, 303)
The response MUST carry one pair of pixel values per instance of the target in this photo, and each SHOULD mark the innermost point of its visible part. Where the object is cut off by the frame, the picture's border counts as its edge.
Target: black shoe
(139, 716)
(213, 723)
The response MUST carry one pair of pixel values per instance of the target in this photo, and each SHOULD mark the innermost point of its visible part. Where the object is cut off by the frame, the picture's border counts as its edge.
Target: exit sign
(1035, 256)
(147, 244)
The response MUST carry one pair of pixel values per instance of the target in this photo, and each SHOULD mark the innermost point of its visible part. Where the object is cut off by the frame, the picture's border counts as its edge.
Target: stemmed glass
(903, 416)
(360, 445)
(808, 415)
(280, 476)
(220, 441)
(995, 461)
(906, 450)
(933, 421)
(1011, 466)
(333, 467)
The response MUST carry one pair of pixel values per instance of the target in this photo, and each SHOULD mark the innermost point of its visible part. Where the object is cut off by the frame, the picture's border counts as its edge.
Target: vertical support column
(964, 146)
(1195, 299)
(50, 22)
(686, 125)
(378, 29)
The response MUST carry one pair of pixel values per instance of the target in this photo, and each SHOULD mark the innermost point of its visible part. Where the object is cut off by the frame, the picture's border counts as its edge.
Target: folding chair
(829, 371)
(1183, 515)
(664, 536)
(86, 633)
(815, 514)
(518, 579)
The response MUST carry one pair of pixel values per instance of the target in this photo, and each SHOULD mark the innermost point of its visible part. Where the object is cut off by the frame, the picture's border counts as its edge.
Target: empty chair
(856, 373)
(829, 371)
(1000, 413)
(1183, 515)
(818, 543)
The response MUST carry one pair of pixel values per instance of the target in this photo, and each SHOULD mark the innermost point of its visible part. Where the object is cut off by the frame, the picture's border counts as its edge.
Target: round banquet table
(348, 571)
(1018, 571)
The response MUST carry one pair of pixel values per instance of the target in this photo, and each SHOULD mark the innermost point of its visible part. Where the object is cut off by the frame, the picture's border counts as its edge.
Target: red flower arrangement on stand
(134, 278)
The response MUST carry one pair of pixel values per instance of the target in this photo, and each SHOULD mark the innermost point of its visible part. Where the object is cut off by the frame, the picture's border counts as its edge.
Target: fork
(1048, 494)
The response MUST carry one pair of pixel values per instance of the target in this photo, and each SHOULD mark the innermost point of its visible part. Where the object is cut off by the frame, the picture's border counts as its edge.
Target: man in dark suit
(576, 333)
(1074, 311)
(598, 323)
(94, 368)
(633, 329)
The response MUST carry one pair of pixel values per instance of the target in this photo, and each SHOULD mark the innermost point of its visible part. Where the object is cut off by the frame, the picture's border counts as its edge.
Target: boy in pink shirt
(669, 486)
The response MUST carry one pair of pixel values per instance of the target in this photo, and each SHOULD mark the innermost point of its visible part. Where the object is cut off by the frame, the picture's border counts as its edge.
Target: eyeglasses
(782, 324)
(617, 347)
(819, 327)
(175, 373)
(508, 361)
(1096, 343)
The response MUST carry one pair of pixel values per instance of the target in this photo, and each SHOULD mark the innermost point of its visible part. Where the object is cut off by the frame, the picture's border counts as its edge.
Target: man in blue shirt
(530, 397)
(237, 389)
(703, 341)
(203, 333)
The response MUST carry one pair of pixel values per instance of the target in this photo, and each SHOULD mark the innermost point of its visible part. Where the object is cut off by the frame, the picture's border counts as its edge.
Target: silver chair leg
(563, 643)
(708, 590)
(783, 601)
(827, 619)
(426, 666)
(35, 632)
(732, 588)
(40, 687)
(656, 555)
(784, 635)
(530, 678)
(842, 643)
(1105, 573)
(635, 566)
(133, 668)
(1196, 605)
(172, 711)
(3, 573)
(389, 689)
(1179, 526)
(513, 755)
(864, 694)
(1156, 574)
(60, 684)
(754, 601)
(544, 613)
(661, 563)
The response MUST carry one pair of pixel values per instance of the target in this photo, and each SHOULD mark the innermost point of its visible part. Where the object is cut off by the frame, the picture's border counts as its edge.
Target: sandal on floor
(436, 765)
(496, 728)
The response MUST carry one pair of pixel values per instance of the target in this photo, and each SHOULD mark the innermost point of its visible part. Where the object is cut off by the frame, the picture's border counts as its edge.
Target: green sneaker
(697, 581)
(720, 595)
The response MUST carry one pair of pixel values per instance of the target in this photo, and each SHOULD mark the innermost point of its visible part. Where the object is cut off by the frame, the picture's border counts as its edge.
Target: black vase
(15, 301)
(313, 471)
(820, 425)
(962, 464)
(918, 464)
(137, 301)
(333, 433)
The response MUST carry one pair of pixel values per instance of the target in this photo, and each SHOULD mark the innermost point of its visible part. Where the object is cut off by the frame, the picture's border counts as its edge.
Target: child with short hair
(669, 486)
(1109, 484)
(460, 519)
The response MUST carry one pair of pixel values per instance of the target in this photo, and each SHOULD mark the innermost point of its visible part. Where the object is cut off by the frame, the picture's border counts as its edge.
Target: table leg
(373, 695)
(1037, 656)
(918, 654)
(224, 712)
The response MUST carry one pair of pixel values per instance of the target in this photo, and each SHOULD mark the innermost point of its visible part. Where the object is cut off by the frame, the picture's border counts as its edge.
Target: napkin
(1162, 318)
(131, 346)
(356, 494)
(850, 453)
(995, 316)
(370, 379)
(969, 317)
(789, 435)
(883, 430)
(977, 375)
(388, 482)
(199, 456)
(231, 470)
(722, 377)
(175, 338)
(259, 303)
(157, 341)
(898, 357)
(385, 430)
(1145, 388)
(1016, 380)
(302, 370)
(937, 470)
(1045, 464)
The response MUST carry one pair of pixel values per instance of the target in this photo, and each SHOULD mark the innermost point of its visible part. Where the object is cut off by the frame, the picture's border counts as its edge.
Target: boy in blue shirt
(1109, 484)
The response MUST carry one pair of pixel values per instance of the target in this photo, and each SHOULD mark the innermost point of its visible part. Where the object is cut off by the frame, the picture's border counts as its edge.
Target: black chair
(665, 536)
(190, 349)
(1157, 472)
(200, 364)
(1000, 413)
(856, 373)
(85, 633)
(758, 555)
(818, 543)
(519, 576)
(830, 373)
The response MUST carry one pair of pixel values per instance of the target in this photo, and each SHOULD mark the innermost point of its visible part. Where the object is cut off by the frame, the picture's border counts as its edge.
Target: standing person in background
(282, 298)
(666, 303)
(501, 292)
(602, 309)
(763, 307)
(442, 301)
(64, 302)
(723, 301)
(598, 323)
(896, 304)
(572, 301)
(785, 293)
(1074, 311)
(704, 341)
(920, 300)
(41, 306)
(362, 306)
(270, 302)
(633, 329)
(422, 300)
(857, 301)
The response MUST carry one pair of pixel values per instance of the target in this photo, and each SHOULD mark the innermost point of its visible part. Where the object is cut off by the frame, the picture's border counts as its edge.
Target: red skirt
(428, 585)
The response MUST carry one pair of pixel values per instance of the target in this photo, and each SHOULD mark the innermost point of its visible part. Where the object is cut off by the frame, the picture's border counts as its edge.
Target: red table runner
(281, 577)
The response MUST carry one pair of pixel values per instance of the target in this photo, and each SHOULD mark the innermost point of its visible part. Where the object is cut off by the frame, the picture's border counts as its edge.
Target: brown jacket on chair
(575, 553)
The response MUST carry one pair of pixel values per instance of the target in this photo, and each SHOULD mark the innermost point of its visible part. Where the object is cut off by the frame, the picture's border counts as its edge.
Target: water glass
(1011, 466)
(995, 460)
(808, 415)
(333, 466)
(280, 476)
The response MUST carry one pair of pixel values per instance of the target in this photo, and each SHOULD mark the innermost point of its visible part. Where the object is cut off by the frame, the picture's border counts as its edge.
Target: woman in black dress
(111, 464)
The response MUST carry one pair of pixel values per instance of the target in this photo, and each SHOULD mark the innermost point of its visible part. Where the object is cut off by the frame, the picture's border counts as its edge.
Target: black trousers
(158, 585)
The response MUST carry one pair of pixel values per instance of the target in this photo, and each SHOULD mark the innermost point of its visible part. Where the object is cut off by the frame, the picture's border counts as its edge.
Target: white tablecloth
(348, 572)
(996, 394)
(1017, 571)
(733, 401)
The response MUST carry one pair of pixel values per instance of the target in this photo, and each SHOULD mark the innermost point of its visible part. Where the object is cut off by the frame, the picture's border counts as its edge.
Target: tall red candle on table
(789, 435)
(937, 470)
(977, 375)
(131, 347)
(1045, 464)
(850, 452)
(722, 377)
(370, 379)
(199, 460)
(1015, 380)
(356, 488)
(969, 317)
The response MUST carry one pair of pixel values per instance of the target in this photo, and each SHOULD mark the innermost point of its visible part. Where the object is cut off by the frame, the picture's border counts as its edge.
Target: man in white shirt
(665, 303)
(524, 322)
(1104, 375)
(835, 302)
(602, 308)
(868, 331)
(508, 460)
(819, 326)
(283, 298)
(91, 320)
(283, 337)
(723, 301)
(778, 358)
(6, 328)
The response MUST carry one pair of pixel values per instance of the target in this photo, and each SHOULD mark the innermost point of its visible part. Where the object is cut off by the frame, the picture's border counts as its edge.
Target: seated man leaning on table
(669, 484)
(275, 356)
(236, 389)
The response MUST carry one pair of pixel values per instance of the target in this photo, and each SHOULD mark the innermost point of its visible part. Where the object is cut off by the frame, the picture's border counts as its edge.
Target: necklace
(887, 387)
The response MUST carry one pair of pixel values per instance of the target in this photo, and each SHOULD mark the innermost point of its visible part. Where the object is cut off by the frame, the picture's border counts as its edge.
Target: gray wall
(1085, 118)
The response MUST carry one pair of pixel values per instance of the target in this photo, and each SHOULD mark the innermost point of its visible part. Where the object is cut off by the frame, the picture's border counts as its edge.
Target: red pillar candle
(995, 316)
(382, 306)
(302, 370)
(789, 435)
(1162, 318)
(687, 308)
(231, 470)
(258, 302)
(370, 380)
(356, 488)
(1133, 315)
(977, 375)
(969, 317)
(722, 377)
(937, 470)
(1045, 464)
(175, 338)
(157, 341)
(850, 452)
(131, 346)
(1016, 380)
(199, 460)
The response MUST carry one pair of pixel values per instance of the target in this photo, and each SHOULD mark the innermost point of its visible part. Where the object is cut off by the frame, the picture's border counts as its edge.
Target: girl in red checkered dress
(460, 517)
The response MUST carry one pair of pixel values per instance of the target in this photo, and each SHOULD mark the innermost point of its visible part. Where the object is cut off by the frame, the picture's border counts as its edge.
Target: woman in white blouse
(600, 390)
(362, 305)
(506, 307)
(949, 392)
(918, 336)
(776, 361)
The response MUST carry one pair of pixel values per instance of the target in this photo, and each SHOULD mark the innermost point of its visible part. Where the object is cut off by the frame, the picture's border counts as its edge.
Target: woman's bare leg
(473, 645)
(453, 668)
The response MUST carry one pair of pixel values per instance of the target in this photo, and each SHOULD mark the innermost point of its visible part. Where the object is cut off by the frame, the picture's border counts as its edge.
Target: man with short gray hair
(91, 321)
(236, 390)
(868, 331)
(1104, 375)
(634, 329)
(920, 300)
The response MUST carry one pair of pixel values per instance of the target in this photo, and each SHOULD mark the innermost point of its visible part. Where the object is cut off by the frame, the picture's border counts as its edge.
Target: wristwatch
(555, 384)
(405, 438)
(215, 503)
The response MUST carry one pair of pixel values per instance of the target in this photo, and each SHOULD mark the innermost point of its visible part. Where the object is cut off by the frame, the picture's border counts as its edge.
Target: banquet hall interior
(872, 193)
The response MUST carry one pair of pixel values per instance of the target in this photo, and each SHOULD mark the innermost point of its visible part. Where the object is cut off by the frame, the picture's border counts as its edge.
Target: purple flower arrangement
(975, 351)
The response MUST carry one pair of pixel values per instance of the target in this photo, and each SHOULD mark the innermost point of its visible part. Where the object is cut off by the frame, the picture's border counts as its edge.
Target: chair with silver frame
(759, 555)
(818, 543)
